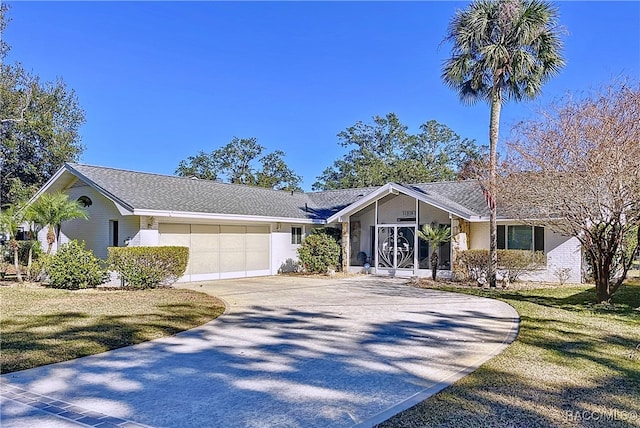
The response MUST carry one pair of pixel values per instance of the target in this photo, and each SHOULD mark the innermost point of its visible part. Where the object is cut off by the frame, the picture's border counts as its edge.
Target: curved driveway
(289, 352)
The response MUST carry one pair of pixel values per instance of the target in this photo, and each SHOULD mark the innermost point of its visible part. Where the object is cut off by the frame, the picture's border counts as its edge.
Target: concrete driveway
(289, 352)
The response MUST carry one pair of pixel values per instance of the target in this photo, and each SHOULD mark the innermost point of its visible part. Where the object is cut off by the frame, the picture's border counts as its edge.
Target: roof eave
(225, 217)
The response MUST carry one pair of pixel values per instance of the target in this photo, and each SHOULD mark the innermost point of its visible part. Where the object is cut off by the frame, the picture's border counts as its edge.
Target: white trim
(48, 184)
(393, 188)
(123, 207)
(230, 217)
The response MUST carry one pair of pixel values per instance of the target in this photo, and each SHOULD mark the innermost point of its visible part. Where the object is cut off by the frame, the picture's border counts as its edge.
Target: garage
(220, 251)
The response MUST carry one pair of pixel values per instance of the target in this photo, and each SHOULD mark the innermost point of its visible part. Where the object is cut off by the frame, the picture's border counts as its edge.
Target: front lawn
(41, 326)
(574, 363)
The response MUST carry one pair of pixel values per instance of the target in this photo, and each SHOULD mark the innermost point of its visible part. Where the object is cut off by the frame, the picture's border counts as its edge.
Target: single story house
(239, 231)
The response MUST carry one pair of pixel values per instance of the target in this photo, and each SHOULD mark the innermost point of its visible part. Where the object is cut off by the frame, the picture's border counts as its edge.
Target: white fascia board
(393, 188)
(225, 217)
(123, 207)
(66, 169)
(366, 200)
(526, 220)
(49, 183)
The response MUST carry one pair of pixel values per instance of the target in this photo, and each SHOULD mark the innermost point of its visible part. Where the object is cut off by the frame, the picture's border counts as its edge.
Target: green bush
(472, 264)
(513, 263)
(4, 267)
(6, 254)
(39, 267)
(318, 252)
(23, 251)
(72, 267)
(148, 267)
(333, 232)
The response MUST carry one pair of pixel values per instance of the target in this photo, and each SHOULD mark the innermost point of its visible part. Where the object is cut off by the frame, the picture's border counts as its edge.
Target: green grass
(41, 326)
(574, 363)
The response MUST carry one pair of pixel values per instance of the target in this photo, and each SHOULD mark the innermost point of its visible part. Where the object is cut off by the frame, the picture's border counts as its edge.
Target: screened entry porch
(383, 237)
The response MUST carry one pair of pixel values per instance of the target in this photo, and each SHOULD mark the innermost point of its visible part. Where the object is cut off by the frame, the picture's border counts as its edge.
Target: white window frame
(533, 236)
(297, 237)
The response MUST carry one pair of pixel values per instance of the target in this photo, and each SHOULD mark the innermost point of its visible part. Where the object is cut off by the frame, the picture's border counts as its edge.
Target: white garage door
(220, 251)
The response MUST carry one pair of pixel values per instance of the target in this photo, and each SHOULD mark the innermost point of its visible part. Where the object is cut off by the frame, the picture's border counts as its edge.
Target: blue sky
(160, 81)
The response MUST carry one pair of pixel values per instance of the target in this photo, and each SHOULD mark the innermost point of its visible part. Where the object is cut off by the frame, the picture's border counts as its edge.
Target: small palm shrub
(73, 267)
(148, 267)
(318, 252)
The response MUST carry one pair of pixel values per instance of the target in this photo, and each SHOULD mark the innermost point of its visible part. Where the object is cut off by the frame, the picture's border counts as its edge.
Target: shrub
(563, 275)
(38, 267)
(4, 267)
(318, 252)
(72, 267)
(148, 267)
(472, 264)
(334, 232)
(514, 263)
(23, 250)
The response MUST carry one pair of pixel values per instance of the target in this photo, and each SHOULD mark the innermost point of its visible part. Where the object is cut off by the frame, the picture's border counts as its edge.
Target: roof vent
(193, 177)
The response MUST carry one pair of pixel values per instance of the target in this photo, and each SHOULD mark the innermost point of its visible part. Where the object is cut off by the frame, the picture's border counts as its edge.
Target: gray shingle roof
(146, 191)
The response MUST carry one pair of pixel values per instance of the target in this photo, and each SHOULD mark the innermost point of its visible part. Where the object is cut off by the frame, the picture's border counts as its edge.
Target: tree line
(381, 151)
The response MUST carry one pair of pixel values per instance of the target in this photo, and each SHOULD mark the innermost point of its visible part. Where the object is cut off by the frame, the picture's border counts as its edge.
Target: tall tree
(578, 165)
(385, 151)
(51, 210)
(235, 159)
(502, 49)
(39, 128)
(240, 162)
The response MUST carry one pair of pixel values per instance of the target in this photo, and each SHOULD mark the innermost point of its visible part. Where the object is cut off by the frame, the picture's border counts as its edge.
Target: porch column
(460, 234)
(345, 246)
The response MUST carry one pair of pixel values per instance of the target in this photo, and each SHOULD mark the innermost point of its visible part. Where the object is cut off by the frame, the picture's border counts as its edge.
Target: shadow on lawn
(625, 302)
(574, 366)
(30, 341)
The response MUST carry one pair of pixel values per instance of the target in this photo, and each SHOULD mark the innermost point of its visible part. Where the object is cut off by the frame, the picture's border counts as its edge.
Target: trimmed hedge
(472, 264)
(72, 267)
(148, 267)
(318, 252)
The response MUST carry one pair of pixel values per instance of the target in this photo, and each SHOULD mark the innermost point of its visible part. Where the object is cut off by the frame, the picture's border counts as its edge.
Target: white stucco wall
(147, 235)
(562, 252)
(95, 230)
(284, 254)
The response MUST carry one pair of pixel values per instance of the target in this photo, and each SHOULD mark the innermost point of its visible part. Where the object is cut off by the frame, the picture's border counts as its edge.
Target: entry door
(396, 247)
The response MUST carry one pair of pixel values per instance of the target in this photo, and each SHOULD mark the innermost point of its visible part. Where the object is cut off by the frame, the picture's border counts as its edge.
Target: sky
(161, 81)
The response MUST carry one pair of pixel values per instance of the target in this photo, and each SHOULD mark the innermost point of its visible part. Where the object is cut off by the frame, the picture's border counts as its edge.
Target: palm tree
(435, 236)
(10, 220)
(502, 49)
(52, 209)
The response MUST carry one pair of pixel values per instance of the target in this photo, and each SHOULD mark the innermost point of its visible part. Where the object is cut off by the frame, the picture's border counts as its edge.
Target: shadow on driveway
(289, 352)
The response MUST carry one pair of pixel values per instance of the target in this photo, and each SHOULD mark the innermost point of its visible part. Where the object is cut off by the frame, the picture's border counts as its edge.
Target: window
(296, 235)
(520, 237)
(113, 233)
(85, 201)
